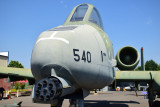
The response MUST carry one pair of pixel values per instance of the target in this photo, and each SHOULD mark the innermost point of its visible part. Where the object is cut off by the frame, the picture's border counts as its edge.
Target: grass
(20, 90)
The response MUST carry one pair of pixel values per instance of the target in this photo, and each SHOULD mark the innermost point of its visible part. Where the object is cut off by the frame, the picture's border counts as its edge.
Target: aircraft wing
(151, 77)
(16, 74)
(135, 75)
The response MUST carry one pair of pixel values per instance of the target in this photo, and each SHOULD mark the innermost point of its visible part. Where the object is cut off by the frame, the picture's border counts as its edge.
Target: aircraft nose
(48, 50)
(52, 36)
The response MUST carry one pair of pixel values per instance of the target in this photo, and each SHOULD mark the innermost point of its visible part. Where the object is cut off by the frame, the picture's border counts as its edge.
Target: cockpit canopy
(79, 13)
(95, 18)
(86, 13)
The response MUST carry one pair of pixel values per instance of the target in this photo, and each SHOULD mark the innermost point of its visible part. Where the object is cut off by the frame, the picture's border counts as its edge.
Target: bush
(22, 85)
(16, 85)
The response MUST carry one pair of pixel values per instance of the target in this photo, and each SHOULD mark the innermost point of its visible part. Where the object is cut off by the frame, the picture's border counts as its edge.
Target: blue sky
(127, 22)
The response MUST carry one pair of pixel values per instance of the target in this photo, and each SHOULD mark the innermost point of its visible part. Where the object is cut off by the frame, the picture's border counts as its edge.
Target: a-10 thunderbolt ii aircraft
(70, 60)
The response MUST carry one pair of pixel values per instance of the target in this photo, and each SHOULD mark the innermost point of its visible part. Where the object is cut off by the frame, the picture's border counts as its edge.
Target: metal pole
(142, 60)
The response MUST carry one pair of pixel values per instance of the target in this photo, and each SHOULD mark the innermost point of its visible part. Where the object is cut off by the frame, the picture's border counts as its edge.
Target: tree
(159, 67)
(138, 68)
(22, 85)
(151, 66)
(15, 64)
(16, 85)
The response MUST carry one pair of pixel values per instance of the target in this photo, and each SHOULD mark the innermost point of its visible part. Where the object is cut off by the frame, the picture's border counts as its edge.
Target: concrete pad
(104, 99)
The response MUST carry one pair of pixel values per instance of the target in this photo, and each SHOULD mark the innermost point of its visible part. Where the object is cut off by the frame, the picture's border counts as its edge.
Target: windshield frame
(77, 13)
(98, 22)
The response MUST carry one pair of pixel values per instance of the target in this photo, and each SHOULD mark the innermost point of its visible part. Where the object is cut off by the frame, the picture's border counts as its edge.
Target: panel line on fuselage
(53, 38)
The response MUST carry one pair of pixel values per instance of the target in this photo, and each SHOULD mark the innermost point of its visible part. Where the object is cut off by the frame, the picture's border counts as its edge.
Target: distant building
(4, 59)
(4, 56)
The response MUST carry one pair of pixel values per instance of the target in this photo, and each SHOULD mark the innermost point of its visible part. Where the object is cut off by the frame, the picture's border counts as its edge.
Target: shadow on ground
(98, 103)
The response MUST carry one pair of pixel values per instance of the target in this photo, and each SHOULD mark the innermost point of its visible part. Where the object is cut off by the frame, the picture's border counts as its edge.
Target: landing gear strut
(151, 96)
(76, 102)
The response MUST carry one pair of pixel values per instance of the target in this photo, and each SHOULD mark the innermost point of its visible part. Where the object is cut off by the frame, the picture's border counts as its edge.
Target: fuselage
(79, 52)
(70, 60)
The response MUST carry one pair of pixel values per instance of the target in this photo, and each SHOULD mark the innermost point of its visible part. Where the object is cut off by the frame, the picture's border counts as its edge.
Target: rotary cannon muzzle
(48, 89)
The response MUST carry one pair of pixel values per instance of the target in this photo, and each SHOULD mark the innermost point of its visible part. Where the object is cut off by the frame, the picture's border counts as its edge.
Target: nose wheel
(59, 103)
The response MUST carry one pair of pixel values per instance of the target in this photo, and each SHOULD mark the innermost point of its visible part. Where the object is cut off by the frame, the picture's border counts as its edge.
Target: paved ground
(108, 99)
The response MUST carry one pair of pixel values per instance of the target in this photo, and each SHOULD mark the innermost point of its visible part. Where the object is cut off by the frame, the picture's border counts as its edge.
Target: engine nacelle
(127, 58)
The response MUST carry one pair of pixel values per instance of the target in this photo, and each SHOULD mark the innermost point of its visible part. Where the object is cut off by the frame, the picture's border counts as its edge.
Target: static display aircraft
(70, 60)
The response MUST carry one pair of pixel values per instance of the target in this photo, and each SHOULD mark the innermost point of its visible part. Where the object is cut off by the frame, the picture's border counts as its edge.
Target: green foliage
(20, 90)
(19, 85)
(159, 67)
(22, 85)
(138, 68)
(16, 85)
(151, 66)
(15, 64)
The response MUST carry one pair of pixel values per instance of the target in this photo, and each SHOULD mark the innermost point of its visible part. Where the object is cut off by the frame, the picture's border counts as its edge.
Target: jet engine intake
(127, 58)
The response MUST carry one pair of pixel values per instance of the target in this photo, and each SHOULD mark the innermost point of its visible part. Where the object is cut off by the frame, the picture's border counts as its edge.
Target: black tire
(1, 95)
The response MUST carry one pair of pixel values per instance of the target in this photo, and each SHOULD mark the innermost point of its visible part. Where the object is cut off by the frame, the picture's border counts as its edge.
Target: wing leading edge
(15, 74)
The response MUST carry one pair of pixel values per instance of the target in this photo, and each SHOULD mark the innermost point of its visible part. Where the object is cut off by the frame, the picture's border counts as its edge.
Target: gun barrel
(51, 88)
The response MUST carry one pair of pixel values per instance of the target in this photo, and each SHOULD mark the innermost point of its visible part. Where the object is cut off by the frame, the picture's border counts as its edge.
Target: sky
(127, 22)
